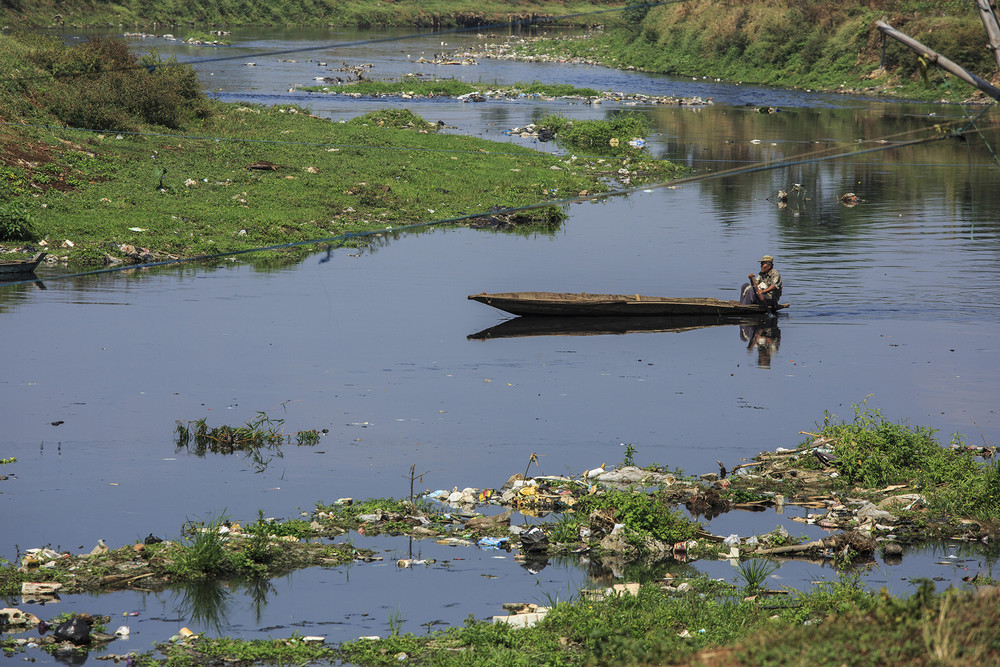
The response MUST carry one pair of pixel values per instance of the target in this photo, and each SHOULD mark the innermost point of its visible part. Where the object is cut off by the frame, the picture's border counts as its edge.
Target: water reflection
(207, 604)
(519, 327)
(764, 337)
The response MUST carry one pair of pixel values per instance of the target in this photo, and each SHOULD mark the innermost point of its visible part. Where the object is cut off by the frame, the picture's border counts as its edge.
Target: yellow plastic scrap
(528, 490)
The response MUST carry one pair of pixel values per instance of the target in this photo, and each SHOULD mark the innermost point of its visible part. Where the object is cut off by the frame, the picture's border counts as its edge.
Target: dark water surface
(895, 301)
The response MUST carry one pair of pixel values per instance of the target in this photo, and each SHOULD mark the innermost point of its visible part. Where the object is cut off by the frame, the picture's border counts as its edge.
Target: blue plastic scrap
(492, 542)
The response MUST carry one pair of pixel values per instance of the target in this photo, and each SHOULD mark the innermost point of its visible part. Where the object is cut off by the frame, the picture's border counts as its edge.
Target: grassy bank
(359, 13)
(114, 158)
(815, 45)
(709, 623)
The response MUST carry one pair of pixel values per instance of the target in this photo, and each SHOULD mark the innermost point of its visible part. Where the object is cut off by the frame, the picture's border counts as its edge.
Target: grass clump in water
(407, 85)
(260, 439)
(873, 452)
(602, 137)
(377, 515)
(644, 515)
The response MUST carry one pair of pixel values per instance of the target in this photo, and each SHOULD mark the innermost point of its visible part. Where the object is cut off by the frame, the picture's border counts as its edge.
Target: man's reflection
(765, 337)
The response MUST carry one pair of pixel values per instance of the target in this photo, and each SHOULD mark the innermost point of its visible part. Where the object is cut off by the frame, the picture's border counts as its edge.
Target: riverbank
(254, 177)
(824, 48)
(135, 166)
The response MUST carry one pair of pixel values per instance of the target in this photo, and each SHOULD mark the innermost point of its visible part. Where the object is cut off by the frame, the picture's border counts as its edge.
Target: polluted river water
(893, 300)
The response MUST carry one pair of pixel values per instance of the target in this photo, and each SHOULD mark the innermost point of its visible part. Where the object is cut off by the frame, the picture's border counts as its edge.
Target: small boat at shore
(22, 267)
(563, 304)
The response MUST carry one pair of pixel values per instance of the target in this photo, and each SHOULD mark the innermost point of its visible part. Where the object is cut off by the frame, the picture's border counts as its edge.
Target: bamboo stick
(939, 60)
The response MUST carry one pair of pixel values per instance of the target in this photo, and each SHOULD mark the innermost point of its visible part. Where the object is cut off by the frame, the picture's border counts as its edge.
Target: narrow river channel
(894, 301)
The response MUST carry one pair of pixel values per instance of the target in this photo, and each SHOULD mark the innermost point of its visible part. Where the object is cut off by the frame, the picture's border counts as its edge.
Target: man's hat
(767, 258)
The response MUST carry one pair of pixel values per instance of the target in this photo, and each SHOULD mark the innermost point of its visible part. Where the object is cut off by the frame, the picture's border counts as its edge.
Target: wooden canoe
(21, 268)
(562, 304)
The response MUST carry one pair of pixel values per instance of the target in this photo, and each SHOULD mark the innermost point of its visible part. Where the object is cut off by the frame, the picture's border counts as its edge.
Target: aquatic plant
(396, 621)
(754, 572)
(567, 529)
(873, 452)
(629, 459)
(205, 551)
(644, 515)
(602, 137)
(259, 438)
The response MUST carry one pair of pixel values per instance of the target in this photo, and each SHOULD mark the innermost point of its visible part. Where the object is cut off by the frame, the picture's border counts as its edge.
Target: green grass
(187, 196)
(409, 85)
(605, 137)
(412, 85)
(874, 452)
(203, 178)
(644, 515)
(836, 623)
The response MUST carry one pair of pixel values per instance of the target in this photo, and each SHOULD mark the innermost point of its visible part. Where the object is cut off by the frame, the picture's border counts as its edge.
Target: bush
(16, 223)
(101, 85)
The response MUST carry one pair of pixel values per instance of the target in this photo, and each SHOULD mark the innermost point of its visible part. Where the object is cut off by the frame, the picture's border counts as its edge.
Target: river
(894, 301)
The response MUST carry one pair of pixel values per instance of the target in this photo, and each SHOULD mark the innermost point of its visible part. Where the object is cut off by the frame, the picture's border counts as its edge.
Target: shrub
(101, 85)
(16, 223)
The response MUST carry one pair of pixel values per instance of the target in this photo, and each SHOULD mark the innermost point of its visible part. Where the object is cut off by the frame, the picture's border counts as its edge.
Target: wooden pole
(939, 60)
(987, 9)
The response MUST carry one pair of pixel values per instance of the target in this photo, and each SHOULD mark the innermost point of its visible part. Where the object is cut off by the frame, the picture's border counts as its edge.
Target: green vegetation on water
(873, 452)
(160, 172)
(417, 87)
(740, 621)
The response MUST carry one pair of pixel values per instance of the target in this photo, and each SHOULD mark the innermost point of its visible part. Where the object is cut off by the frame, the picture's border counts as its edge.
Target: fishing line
(346, 237)
(807, 158)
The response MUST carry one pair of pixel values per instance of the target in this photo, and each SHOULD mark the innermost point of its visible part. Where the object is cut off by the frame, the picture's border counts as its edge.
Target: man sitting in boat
(768, 285)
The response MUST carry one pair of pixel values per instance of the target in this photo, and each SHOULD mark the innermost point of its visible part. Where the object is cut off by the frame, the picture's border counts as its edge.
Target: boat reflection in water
(762, 329)
(763, 336)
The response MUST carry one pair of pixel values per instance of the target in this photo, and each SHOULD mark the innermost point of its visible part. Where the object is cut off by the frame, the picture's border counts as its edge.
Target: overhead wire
(806, 158)
(341, 239)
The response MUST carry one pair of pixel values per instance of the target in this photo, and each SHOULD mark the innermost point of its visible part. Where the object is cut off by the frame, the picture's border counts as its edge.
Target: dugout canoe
(563, 304)
(21, 268)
